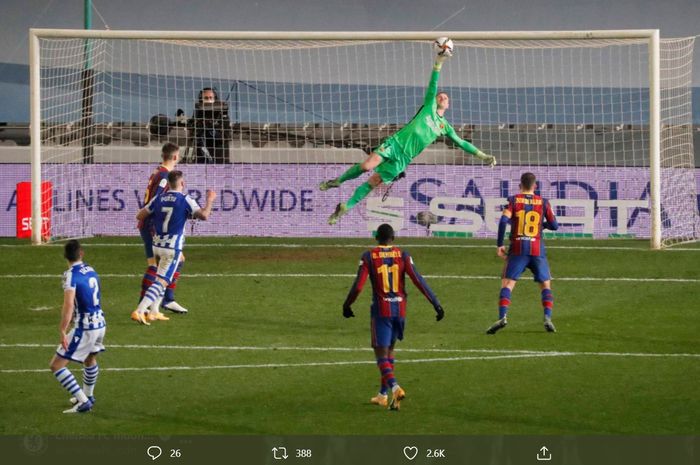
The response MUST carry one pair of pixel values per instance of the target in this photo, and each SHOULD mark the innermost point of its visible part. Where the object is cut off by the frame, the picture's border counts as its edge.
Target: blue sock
(67, 380)
(547, 302)
(503, 302)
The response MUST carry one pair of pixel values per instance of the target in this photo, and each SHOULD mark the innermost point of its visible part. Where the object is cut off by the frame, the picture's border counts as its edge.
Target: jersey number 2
(95, 286)
(384, 270)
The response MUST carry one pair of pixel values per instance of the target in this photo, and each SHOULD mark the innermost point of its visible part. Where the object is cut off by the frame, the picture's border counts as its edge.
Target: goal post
(569, 103)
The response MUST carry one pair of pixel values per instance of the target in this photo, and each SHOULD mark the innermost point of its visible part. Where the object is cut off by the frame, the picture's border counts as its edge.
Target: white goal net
(291, 113)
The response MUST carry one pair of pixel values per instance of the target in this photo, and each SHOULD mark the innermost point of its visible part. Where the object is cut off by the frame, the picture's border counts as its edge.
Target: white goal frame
(651, 36)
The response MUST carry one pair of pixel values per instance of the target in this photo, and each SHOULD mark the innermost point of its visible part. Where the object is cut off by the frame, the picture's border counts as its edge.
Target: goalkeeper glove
(347, 311)
(440, 313)
(489, 159)
(441, 57)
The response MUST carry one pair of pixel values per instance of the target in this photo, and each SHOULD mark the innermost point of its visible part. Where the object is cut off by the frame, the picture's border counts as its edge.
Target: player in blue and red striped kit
(169, 213)
(528, 214)
(387, 267)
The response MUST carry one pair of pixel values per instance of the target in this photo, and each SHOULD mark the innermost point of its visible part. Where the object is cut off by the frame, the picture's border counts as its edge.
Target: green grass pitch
(265, 349)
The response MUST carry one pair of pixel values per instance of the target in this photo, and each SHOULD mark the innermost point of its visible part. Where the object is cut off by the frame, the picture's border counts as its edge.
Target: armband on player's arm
(502, 225)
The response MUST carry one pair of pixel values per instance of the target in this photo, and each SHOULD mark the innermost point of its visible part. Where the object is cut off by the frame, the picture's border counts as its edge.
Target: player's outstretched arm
(422, 286)
(356, 289)
(469, 147)
(203, 213)
(431, 91)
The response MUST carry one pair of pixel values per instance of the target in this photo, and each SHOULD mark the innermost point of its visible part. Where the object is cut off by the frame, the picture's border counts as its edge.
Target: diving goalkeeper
(393, 156)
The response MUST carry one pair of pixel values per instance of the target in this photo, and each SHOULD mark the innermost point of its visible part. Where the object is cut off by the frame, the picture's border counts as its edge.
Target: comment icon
(154, 452)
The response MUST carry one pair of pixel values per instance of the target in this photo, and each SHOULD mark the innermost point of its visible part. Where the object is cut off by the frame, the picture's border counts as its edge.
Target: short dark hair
(527, 181)
(211, 89)
(71, 251)
(442, 92)
(168, 151)
(385, 234)
(173, 177)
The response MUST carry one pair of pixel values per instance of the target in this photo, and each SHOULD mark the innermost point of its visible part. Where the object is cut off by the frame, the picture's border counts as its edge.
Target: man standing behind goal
(169, 213)
(393, 156)
(157, 184)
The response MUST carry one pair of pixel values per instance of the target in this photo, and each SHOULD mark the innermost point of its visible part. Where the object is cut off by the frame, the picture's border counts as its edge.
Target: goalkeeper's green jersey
(427, 126)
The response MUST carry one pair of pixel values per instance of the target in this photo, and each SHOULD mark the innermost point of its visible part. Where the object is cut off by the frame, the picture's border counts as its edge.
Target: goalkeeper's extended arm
(469, 148)
(431, 91)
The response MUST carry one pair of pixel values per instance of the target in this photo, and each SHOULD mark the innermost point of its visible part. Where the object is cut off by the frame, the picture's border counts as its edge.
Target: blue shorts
(516, 264)
(147, 237)
(385, 331)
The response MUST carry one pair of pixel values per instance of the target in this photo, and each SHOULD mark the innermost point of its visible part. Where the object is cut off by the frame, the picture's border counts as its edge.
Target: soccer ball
(426, 218)
(444, 46)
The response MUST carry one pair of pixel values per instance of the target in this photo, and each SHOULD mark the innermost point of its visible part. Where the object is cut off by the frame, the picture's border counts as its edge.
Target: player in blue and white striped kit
(169, 213)
(81, 303)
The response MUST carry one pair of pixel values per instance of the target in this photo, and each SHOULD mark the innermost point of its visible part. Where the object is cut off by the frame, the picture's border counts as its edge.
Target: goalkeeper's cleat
(549, 326)
(140, 318)
(397, 396)
(157, 316)
(330, 184)
(380, 399)
(80, 408)
(74, 400)
(174, 307)
(500, 324)
(340, 210)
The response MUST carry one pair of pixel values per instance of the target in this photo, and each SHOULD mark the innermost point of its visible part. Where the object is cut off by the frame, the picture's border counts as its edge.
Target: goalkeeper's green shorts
(394, 160)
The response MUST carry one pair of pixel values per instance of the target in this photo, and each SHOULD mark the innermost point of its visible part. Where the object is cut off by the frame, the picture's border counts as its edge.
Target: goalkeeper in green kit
(396, 152)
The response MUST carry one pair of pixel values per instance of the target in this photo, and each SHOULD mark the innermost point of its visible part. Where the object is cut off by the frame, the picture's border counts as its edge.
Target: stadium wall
(277, 200)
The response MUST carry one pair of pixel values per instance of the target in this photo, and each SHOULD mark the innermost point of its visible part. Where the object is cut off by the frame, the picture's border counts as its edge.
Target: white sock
(89, 379)
(152, 294)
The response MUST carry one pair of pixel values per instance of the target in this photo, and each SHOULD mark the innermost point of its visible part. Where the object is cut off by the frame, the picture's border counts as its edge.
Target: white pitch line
(348, 275)
(357, 362)
(362, 246)
(361, 349)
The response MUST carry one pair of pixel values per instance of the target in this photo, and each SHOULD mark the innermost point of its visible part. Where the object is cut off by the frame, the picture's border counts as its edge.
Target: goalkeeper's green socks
(353, 172)
(360, 193)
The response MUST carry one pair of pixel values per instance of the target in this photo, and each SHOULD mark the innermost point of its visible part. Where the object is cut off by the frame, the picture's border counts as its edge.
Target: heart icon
(410, 452)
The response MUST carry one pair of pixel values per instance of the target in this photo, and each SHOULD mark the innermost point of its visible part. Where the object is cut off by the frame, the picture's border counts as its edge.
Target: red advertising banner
(24, 209)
